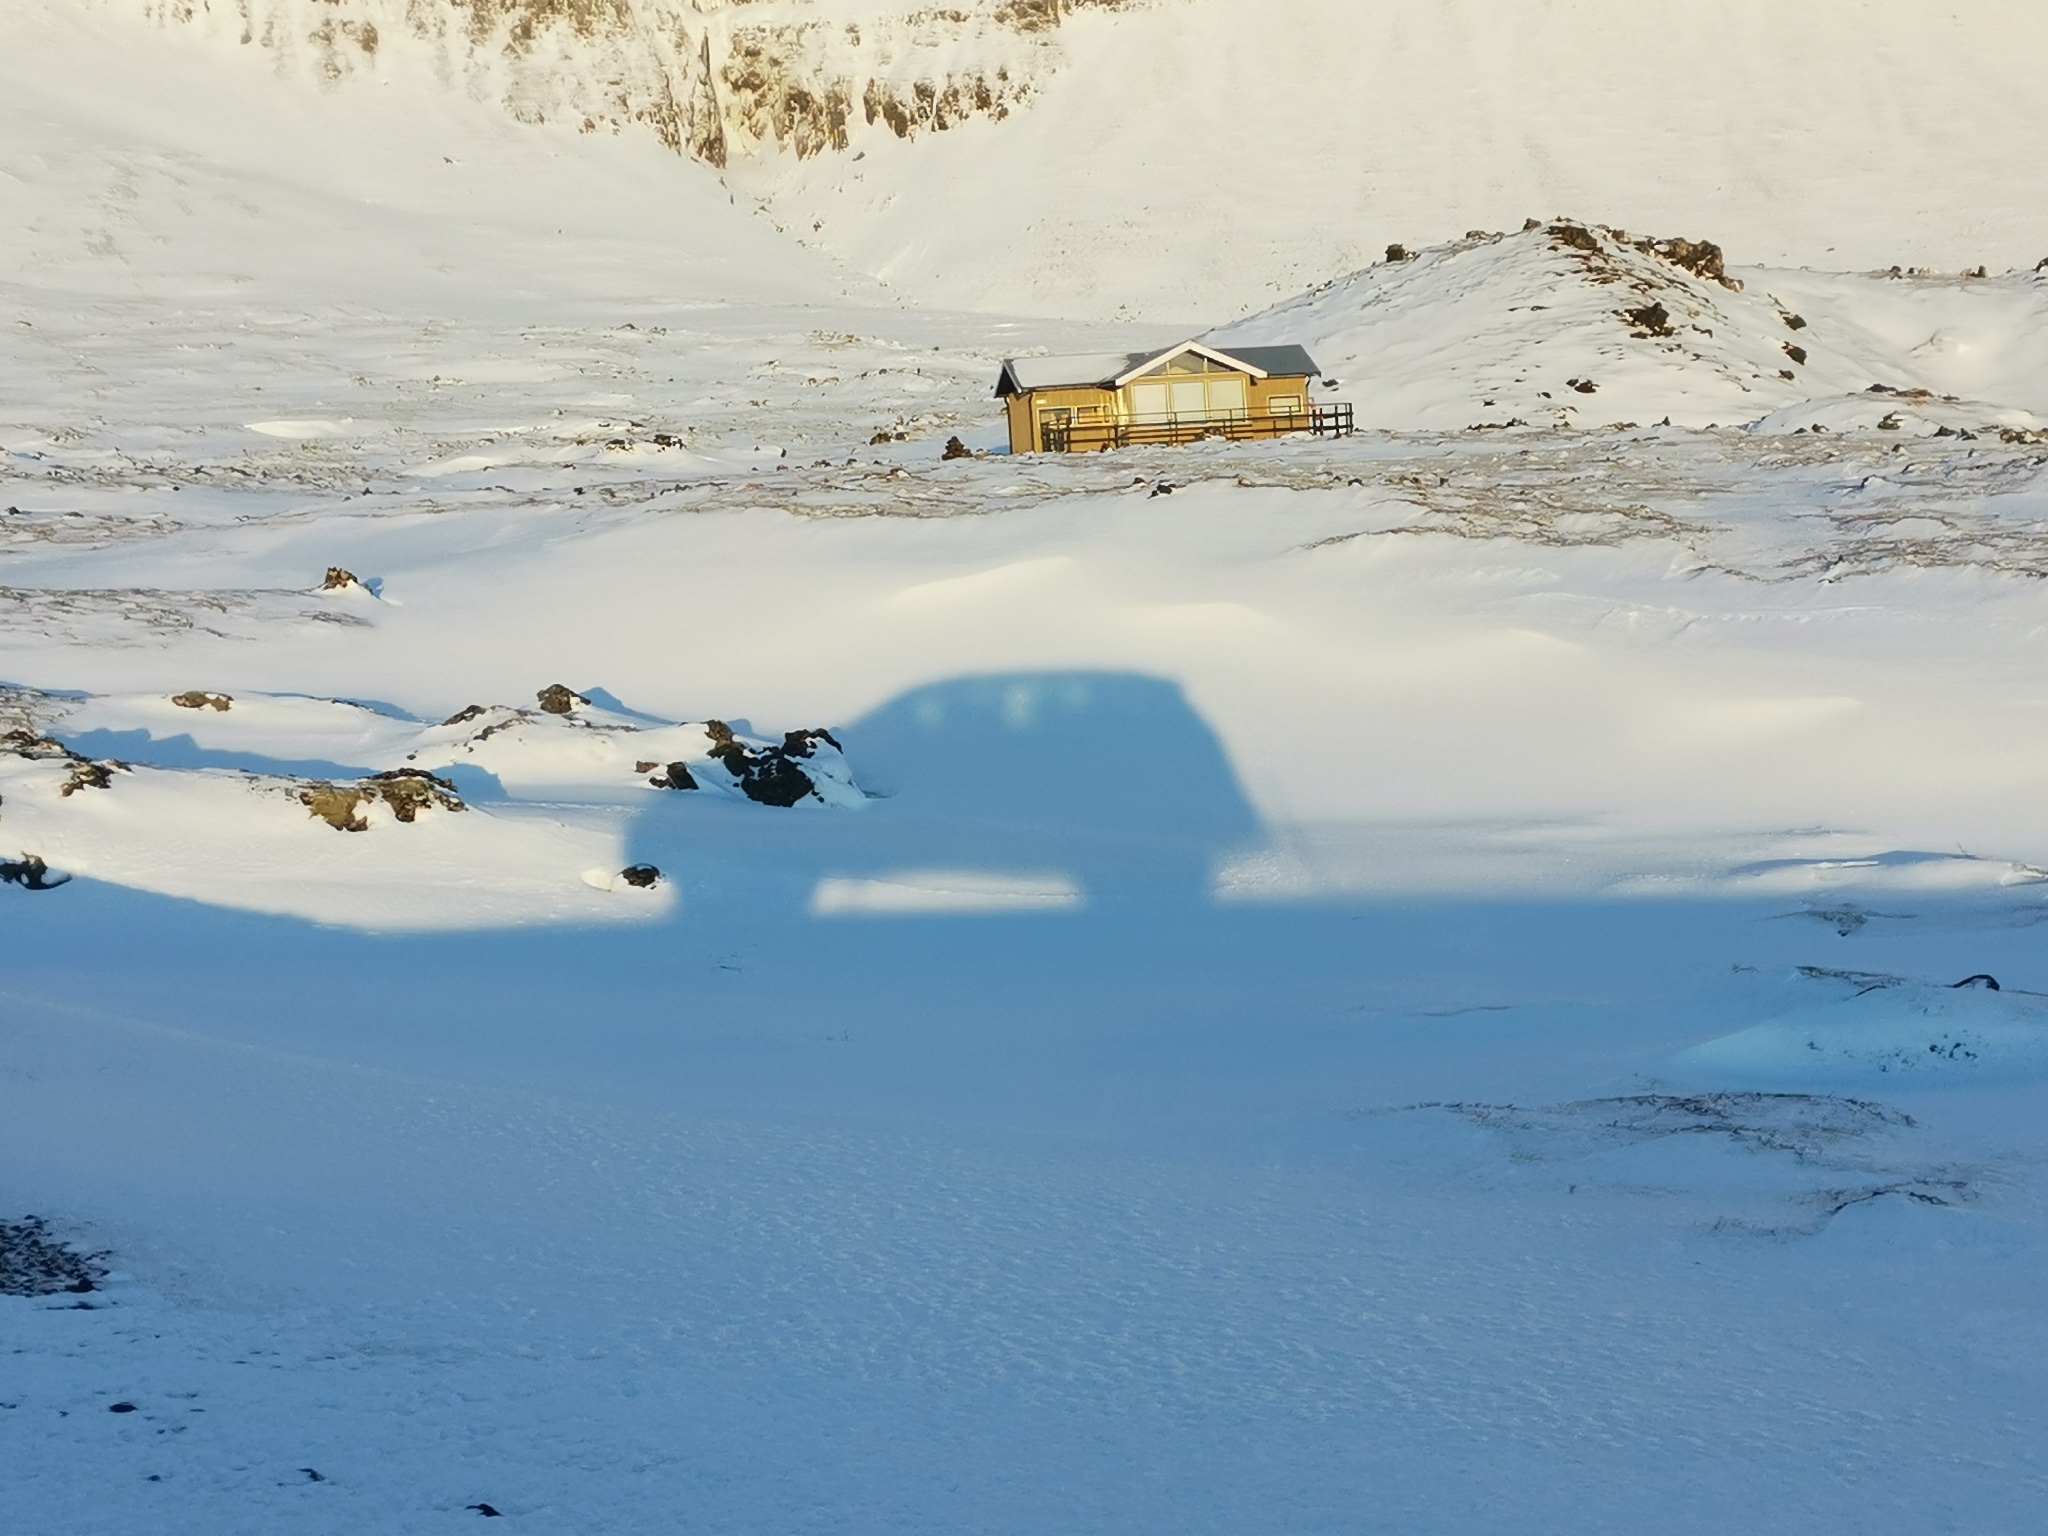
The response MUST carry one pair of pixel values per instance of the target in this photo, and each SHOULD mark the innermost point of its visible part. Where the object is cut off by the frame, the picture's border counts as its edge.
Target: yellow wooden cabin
(1181, 395)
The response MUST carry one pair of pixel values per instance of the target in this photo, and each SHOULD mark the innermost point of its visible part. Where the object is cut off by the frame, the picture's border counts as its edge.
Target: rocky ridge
(714, 79)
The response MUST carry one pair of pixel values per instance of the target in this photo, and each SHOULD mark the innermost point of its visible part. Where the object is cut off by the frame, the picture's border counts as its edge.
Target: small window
(1286, 405)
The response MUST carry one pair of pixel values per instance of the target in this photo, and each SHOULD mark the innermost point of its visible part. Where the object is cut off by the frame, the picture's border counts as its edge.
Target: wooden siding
(1027, 411)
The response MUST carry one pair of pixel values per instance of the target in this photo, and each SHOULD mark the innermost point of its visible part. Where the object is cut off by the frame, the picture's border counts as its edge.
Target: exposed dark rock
(1399, 253)
(89, 775)
(804, 743)
(1988, 982)
(1703, 258)
(32, 1263)
(1652, 319)
(196, 699)
(121, 1408)
(408, 791)
(674, 776)
(1583, 386)
(483, 1509)
(1794, 322)
(85, 773)
(1576, 236)
(955, 449)
(640, 876)
(31, 873)
(339, 580)
(464, 715)
(557, 700)
(1796, 353)
(769, 776)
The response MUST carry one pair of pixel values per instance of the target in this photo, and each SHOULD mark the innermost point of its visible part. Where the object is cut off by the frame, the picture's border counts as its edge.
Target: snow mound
(586, 748)
(236, 800)
(1575, 325)
(1880, 1026)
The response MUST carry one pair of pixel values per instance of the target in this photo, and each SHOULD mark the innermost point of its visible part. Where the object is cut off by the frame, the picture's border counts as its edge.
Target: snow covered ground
(1405, 983)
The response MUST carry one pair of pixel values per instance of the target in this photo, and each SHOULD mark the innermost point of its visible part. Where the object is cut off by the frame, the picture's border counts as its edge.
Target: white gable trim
(1237, 363)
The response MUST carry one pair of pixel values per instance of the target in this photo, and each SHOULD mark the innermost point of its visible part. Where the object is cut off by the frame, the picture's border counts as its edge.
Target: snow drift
(241, 805)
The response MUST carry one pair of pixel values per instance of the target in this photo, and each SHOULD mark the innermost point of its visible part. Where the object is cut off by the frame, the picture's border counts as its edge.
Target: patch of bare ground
(35, 1263)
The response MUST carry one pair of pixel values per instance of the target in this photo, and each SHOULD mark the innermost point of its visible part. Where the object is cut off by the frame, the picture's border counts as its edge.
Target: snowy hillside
(1015, 155)
(1563, 325)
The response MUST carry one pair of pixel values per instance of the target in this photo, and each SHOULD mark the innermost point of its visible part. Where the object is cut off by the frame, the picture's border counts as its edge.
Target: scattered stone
(1652, 319)
(339, 580)
(1891, 423)
(557, 700)
(2022, 435)
(340, 808)
(484, 1510)
(674, 776)
(31, 873)
(312, 1476)
(1399, 253)
(466, 713)
(1576, 236)
(85, 773)
(641, 876)
(1794, 322)
(121, 1408)
(1988, 982)
(1583, 386)
(408, 791)
(195, 699)
(1796, 353)
(32, 1263)
(955, 449)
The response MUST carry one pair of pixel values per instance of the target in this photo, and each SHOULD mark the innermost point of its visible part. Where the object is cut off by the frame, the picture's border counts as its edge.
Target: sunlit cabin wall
(1027, 411)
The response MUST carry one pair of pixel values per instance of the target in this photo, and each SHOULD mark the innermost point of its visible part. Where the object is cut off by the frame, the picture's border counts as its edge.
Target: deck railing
(1331, 420)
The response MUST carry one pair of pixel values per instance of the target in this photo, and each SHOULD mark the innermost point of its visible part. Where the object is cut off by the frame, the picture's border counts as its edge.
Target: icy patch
(944, 891)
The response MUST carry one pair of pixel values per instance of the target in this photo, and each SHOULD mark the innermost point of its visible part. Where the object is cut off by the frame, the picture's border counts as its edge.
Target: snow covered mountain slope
(145, 163)
(1569, 325)
(1211, 156)
(1055, 157)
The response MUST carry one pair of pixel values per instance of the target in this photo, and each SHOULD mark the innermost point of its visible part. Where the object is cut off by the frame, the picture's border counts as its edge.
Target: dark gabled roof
(1106, 370)
(1280, 362)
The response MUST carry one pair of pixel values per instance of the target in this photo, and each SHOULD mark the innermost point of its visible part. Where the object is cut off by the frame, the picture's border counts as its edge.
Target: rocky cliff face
(715, 79)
